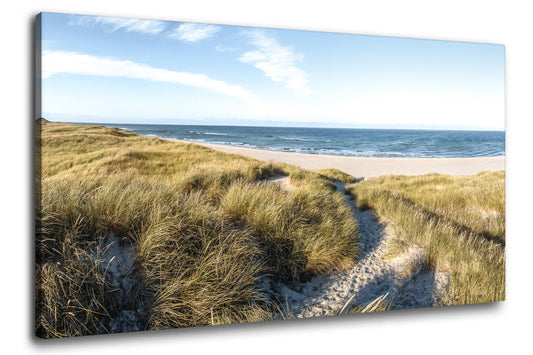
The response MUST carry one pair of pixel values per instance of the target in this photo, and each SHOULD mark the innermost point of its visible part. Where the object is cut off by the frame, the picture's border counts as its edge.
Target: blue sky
(117, 70)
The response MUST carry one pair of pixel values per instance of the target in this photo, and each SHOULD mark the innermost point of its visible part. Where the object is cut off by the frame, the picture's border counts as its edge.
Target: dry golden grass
(204, 226)
(460, 221)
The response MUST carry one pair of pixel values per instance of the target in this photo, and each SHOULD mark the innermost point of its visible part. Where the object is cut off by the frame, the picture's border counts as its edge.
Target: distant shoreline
(337, 142)
(365, 167)
(370, 167)
(270, 125)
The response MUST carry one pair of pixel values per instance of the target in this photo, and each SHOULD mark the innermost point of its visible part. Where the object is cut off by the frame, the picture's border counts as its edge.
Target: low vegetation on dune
(205, 227)
(460, 221)
(136, 233)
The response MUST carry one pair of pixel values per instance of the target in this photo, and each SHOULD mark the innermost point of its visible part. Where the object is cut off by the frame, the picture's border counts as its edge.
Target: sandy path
(118, 266)
(402, 282)
(372, 167)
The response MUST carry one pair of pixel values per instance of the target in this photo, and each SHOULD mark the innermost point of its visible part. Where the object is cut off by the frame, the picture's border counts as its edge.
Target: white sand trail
(402, 282)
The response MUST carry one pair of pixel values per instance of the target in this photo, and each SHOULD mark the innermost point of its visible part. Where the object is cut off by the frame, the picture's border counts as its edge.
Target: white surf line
(402, 282)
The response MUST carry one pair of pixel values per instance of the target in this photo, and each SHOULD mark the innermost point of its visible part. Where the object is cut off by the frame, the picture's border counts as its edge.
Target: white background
(494, 328)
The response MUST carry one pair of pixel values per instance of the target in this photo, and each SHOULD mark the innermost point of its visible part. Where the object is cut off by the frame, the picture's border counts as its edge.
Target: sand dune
(373, 167)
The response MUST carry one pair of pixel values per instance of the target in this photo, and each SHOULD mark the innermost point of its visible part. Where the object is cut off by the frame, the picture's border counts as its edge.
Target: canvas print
(193, 174)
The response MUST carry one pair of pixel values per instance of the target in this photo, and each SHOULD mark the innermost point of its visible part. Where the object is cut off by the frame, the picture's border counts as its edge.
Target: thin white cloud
(277, 62)
(113, 24)
(55, 62)
(223, 49)
(193, 32)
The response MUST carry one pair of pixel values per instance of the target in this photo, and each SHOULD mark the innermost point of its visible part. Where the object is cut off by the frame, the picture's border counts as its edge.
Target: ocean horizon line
(282, 126)
(361, 142)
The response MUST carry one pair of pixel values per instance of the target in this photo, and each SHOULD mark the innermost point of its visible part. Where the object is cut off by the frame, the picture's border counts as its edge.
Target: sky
(118, 70)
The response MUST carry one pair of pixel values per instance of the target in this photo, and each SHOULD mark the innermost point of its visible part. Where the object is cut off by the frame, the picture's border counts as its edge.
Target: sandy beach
(373, 167)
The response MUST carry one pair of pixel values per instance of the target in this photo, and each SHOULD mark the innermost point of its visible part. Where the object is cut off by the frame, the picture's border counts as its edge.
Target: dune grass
(205, 227)
(460, 221)
(305, 232)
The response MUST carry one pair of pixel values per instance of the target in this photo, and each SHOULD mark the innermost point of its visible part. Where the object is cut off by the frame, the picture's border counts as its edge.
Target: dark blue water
(338, 141)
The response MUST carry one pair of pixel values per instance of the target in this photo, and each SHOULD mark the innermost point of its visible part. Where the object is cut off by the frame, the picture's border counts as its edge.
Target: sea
(398, 143)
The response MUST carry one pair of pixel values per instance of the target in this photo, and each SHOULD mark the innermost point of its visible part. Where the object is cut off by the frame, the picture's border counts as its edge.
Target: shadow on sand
(416, 291)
